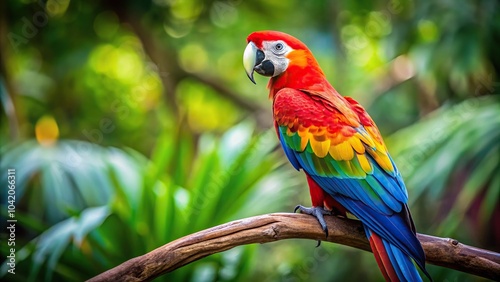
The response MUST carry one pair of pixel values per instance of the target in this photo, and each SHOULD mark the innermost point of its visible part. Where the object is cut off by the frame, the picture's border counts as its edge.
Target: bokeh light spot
(106, 24)
(427, 30)
(206, 111)
(177, 29)
(46, 130)
(353, 37)
(193, 58)
(186, 9)
(403, 68)
(56, 7)
(223, 13)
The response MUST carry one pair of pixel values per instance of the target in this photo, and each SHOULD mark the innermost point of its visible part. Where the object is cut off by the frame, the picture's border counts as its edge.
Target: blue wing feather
(290, 154)
(377, 200)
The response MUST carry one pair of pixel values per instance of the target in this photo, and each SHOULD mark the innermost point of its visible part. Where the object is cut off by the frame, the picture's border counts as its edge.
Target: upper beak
(251, 58)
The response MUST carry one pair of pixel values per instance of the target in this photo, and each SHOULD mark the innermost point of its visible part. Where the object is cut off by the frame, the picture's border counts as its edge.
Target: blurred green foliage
(132, 123)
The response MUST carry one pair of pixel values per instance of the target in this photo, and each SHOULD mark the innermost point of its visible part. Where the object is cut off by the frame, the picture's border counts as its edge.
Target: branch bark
(272, 227)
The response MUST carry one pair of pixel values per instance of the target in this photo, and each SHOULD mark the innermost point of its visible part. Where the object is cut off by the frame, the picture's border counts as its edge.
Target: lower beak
(251, 58)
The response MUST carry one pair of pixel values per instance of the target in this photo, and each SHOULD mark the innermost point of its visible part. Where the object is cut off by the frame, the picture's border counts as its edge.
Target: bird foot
(318, 213)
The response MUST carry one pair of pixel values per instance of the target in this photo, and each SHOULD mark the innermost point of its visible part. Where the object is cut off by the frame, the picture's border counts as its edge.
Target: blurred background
(132, 123)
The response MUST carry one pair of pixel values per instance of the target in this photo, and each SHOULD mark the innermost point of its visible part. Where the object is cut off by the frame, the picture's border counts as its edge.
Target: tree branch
(272, 227)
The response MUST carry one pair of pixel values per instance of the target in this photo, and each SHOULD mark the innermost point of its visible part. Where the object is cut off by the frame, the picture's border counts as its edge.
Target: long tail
(394, 264)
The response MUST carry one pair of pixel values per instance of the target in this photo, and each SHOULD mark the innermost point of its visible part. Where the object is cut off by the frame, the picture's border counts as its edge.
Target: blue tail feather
(402, 263)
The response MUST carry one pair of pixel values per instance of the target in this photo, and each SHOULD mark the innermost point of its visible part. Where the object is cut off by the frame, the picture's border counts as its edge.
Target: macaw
(338, 146)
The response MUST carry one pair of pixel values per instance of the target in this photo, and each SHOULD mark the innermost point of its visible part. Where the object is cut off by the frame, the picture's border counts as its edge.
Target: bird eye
(279, 46)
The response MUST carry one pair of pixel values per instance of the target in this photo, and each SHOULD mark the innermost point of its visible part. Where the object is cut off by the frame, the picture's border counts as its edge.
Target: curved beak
(251, 58)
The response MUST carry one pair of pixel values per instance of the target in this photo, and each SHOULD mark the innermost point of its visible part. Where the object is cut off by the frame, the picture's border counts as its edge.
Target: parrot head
(271, 53)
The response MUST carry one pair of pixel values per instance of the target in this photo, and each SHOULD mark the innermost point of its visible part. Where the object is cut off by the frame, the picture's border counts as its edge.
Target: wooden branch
(272, 227)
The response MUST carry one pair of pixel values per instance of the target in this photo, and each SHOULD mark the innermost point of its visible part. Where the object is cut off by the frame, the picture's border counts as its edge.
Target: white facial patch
(276, 51)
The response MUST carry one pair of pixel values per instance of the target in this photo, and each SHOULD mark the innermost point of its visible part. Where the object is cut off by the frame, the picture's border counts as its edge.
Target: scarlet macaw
(338, 146)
